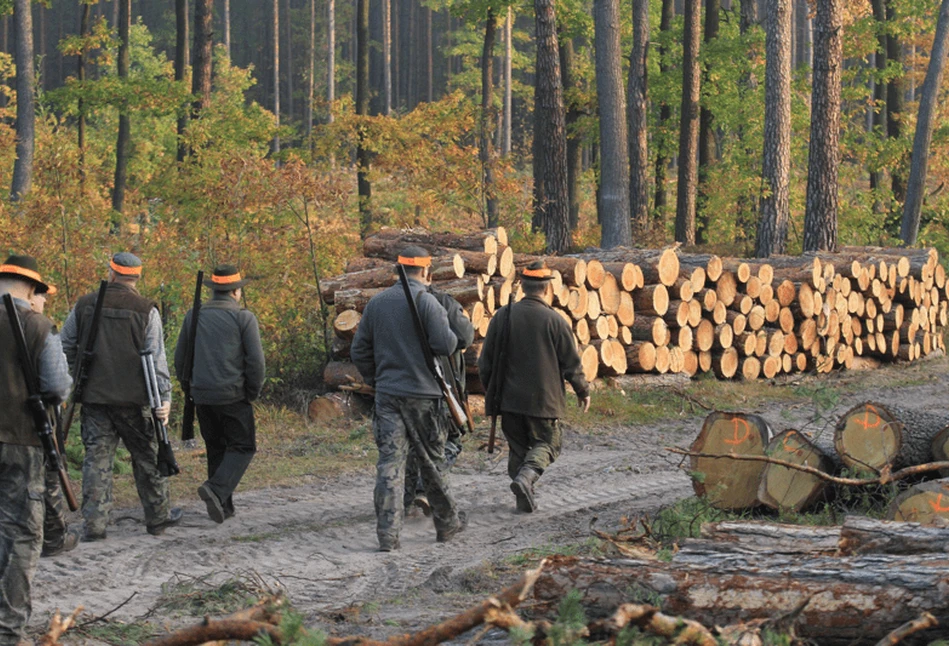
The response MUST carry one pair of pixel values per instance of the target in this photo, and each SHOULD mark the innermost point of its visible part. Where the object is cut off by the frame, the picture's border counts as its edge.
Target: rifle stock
(187, 418)
(167, 465)
(493, 434)
(41, 425)
(83, 361)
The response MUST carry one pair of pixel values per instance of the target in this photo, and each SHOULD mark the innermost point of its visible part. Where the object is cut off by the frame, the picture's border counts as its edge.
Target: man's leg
(545, 440)
(100, 441)
(517, 435)
(134, 425)
(389, 432)
(425, 426)
(236, 431)
(21, 535)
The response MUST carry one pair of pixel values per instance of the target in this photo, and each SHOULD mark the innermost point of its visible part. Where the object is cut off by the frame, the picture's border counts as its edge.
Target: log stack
(658, 311)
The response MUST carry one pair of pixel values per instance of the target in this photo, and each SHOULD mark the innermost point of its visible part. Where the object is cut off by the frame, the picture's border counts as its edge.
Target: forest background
(195, 135)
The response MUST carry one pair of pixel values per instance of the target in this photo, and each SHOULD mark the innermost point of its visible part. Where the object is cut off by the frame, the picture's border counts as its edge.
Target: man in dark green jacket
(529, 349)
(228, 375)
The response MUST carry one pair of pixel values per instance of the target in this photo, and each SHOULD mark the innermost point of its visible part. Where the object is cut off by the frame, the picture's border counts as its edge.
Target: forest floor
(316, 541)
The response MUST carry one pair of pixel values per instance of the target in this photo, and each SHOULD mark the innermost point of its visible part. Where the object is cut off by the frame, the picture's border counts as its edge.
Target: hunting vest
(16, 422)
(115, 371)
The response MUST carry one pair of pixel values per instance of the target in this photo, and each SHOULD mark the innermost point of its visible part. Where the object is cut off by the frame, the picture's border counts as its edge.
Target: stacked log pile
(659, 311)
(738, 463)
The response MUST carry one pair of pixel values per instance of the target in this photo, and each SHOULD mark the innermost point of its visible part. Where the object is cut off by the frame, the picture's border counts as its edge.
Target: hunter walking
(115, 403)
(226, 376)
(410, 412)
(22, 480)
(527, 354)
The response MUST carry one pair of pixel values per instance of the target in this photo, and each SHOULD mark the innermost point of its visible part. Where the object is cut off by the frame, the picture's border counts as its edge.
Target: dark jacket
(115, 374)
(541, 354)
(228, 356)
(463, 329)
(387, 350)
(16, 422)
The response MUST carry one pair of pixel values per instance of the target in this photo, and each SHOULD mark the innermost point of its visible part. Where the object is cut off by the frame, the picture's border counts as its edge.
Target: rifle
(187, 420)
(464, 399)
(35, 403)
(81, 369)
(167, 465)
(454, 408)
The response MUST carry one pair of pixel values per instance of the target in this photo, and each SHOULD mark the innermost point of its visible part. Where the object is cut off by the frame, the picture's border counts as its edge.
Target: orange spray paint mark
(865, 422)
(937, 506)
(739, 440)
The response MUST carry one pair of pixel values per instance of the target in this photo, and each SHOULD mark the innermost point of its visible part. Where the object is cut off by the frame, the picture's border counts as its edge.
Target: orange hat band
(226, 280)
(125, 271)
(22, 271)
(423, 261)
(537, 273)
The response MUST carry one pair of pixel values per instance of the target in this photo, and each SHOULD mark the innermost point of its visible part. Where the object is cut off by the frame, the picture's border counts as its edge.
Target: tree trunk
(706, 126)
(574, 156)
(289, 63)
(613, 203)
(181, 68)
(638, 107)
(776, 163)
(665, 112)
(879, 92)
(823, 159)
(310, 77)
(508, 91)
(916, 186)
(276, 74)
(894, 103)
(429, 58)
(123, 141)
(227, 28)
(25, 111)
(81, 74)
(785, 489)
(924, 503)
(201, 73)
(871, 436)
(387, 56)
(749, 15)
(730, 484)
(487, 119)
(362, 109)
(689, 125)
(550, 112)
(330, 56)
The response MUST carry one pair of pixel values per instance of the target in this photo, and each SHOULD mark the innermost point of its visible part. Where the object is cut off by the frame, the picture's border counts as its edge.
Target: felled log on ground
(485, 241)
(872, 435)
(926, 503)
(940, 449)
(853, 600)
(335, 405)
(861, 535)
(784, 488)
(340, 373)
(726, 483)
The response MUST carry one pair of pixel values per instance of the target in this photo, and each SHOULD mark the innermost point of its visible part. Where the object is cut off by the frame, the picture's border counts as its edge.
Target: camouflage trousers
(102, 428)
(400, 425)
(534, 442)
(414, 484)
(21, 534)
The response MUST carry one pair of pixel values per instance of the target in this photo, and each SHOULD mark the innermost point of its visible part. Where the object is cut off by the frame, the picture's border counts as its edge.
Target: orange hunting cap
(537, 270)
(226, 278)
(415, 256)
(25, 268)
(126, 264)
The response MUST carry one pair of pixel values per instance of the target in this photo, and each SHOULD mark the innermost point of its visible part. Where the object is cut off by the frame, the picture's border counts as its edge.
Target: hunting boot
(523, 488)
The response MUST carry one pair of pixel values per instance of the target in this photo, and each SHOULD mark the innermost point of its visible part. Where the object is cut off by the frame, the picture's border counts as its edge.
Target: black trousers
(230, 438)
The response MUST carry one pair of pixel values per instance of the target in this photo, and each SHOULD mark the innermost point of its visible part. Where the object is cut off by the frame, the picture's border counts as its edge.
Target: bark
(487, 118)
(871, 436)
(276, 74)
(879, 90)
(894, 104)
(330, 56)
(310, 77)
(639, 120)
(776, 162)
(227, 27)
(846, 600)
(861, 535)
(362, 109)
(548, 95)
(201, 73)
(785, 489)
(689, 126)
(706, 126)
(25, 110)
(916, 185)
(508, 88)
(181, 68)
(820, 217)
(613, 202)
(926, 503)
(749, 15)
(665, 111)
(387, 56)
(124, 139)
(81, 75)
(574, 152)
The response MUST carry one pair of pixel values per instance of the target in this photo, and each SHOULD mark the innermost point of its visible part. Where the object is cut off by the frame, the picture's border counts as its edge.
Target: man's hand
(164, 412)
(584, 403)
